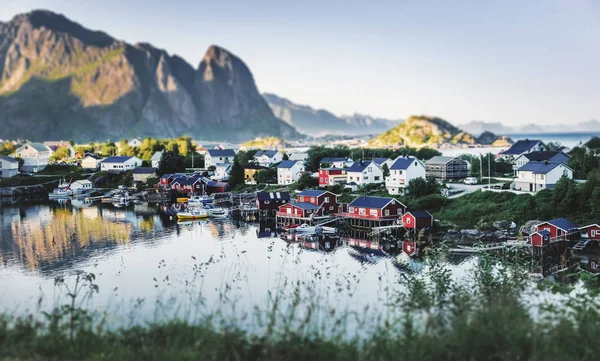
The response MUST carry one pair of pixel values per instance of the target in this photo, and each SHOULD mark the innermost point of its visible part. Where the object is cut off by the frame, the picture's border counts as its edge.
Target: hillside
(419, 131)
(478, 127)
(319, 122)
(60, 80)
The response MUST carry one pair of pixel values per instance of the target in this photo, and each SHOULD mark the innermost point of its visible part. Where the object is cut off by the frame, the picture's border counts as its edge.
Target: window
(376, 178)
(271, 195)
(593, 233)
(331, 208)
(387, 212)
(373, 212)
(267, 202)
(312, 199)
(407, 220)
(370, 169)
(278, 195)
(326, 199)
(301, 199)
(362, 211)
(399, 210)
(350, 209)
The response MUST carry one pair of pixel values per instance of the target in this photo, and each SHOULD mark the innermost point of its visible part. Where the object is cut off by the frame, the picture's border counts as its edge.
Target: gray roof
(268, 153)
(521, 146)
(37, 146)
(539, 167)
(439, 159)
(157, 155)
(8, 159)
(116, 159)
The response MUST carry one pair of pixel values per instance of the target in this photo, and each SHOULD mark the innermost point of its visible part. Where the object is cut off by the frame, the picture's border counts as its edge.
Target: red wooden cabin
(271, 200)
(188, 184)
(540, 238)
(417, 220)
(591, 232)
(560, 228)
(299, 210)
(375, 208)
(331, 176)
(324, 199)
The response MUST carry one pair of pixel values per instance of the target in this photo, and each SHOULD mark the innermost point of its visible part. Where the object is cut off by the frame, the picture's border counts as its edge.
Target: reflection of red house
(417, 220)
(409, 247)
(375, 208)
(591, 232)
(331, 176)
(324, 199)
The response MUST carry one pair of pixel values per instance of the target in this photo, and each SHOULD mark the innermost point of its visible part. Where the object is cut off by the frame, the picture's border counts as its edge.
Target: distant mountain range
(478, 127)
(320, 122)
(59, 80)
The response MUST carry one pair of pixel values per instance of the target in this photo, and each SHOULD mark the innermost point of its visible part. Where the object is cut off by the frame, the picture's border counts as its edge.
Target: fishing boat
(62, 191)
(193, 213)
(215, 212)
(305, 228)
(196, 201)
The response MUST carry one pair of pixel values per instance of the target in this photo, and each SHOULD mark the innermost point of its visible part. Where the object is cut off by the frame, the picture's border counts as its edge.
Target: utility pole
(480, 168)
(489, 171)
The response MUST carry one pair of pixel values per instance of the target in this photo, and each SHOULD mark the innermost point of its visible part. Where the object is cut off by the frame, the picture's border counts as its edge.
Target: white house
(135, 142)
(547, 156)
(336, 162)
(402, 171)
(268, 157)
(9, 167)
(212, 157)
(222, 171)
(35, 156)
(298, 156)
(155, 160)
(522, 147)
(289, 171)
(81, 185)
(365, 172)
(91, 161)
(120, 164)
(535, 176)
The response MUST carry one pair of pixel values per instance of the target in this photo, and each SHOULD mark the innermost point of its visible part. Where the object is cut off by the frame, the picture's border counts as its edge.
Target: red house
(299, 210)
(591, 232)
(559, 228)
(187, 184)
(331, 176)
(540, 238)
(324, 199)
(375, 208)
(271, 200)
(417, 220)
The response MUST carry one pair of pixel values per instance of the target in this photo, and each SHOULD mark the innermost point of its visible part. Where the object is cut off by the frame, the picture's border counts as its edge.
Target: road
(466, 188)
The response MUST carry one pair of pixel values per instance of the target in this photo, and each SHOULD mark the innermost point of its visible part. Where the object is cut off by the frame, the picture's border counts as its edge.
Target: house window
(407, 220)
(267, 202)
(362, 211)
(370, 169)
(301, 199)
(387, 212)
(326, 199)
(376, 178)
(399, 210)
(350, 209)
(593, 233)
(373, 212)
(331, 208)
(312, 199)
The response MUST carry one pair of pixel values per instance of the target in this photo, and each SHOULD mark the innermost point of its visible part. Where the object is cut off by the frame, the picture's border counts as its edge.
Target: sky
(514, 62)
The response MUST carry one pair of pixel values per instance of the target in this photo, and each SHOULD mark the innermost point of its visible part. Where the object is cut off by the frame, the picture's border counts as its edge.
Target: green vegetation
(236, 175)
(170, 162)
(436, 317)
(491, 166)
(7, 148)
(18, 180)
(263, 143)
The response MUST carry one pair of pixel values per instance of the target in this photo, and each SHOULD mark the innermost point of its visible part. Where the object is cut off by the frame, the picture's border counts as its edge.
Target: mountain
(319, 122)
(478, 127)
(60, 80)
(420, 130)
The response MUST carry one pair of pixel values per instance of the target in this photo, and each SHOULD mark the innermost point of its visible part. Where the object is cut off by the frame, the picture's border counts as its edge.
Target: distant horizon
(508, 62)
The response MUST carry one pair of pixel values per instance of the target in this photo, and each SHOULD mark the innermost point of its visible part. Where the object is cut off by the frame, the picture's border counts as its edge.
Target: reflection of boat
(292, 226)
(193, 213)
(199, 200)
(121, 203)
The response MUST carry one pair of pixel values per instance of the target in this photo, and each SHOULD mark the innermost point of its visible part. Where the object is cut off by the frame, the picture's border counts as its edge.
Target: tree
(236, 175)
(60, 154)
(595, 202)
(170, 162)
(7, 148)
(420, 187)
(285, 157)
(268, 175)
(386, 170)
(212, 168)
(21, 161)
(307, 181)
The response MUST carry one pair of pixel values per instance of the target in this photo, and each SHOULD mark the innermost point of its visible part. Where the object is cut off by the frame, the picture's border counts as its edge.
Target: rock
(529, 227)
(503, 224)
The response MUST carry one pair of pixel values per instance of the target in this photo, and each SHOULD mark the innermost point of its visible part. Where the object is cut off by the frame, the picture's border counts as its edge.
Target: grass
(439, 318)
(19, 180)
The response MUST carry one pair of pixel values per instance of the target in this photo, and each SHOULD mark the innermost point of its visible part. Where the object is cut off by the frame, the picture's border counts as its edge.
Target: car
(26, 174)
(470, 180)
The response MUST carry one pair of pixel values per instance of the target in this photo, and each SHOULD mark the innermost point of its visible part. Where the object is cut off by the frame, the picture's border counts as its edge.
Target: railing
(368, 216)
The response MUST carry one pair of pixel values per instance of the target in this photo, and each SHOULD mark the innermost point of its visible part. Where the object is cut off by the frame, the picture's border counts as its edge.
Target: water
(568, 140)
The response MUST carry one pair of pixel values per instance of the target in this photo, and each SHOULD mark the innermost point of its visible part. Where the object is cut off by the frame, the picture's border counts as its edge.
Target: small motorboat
(193, 213)
(217, 213)
(305, 228)
(62, 191)
(196, 201)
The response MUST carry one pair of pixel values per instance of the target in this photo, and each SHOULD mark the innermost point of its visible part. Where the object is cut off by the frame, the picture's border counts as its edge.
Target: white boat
(305, 228)
(62, 191)
(217, 213)
(193, 213)
(196, 201)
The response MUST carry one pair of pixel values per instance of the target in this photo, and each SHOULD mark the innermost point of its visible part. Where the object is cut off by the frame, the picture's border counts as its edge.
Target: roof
(88, 155)
(221, 152)
(116, 159)
(439, 159)
(216, 184)
(287, 164)
(268, 153)
(157, 156)
(144, 170)
(8, 159)
(312, 193)
(333, 168)
(521, 146)
(543, 233)
(359, 166)
(166, 176)
(265, 196)
(352, 184)
(380, 161)
(255, 167)
(186, 181)
(83, 181)
(543, 156)
(371, 202)
(539, 167)
(420, 214)
(562, 223)
(403, 162)
(226, 165)
(37, 146)
(331, 160)
(305, 205)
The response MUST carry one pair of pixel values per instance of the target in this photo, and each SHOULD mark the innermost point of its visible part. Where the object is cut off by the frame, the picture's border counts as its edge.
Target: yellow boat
(193, 214)
(182, 200)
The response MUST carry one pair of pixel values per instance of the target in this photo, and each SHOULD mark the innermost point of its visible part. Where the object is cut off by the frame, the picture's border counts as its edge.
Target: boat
(305, 228)
(199, 200)
(217, 213)
(62, 191)
(193, 213)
